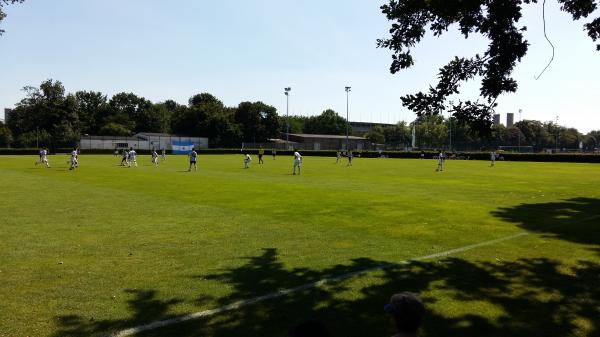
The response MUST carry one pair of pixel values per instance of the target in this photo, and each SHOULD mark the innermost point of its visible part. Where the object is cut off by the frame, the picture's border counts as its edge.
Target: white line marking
(288, 291)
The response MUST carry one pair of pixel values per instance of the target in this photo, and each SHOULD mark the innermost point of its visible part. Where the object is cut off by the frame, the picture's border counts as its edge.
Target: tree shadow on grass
(576, 220)
(527, 297)
(144, 306)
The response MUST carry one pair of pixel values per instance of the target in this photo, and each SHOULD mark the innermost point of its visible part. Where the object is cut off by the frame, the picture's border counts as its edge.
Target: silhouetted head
(407, 311)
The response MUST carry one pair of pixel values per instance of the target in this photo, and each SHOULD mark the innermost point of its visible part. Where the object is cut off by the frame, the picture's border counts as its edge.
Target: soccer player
(43, 158)
(247, 160)
(74, 163)
(40, 157)
(350, 155)
(163, 155)
(338, 157)
(193, 155)
(261, 152)
(440, 166)
(125, 158)
(493, 158)
(297, 161)
(274, 153)
(132, 157)
(154, 157)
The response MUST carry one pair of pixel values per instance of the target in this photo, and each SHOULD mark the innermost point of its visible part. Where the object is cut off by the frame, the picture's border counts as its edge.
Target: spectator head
(407, 312)
(310, 328)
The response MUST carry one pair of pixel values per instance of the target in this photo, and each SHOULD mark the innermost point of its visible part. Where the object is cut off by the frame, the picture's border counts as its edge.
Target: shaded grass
(142, 244)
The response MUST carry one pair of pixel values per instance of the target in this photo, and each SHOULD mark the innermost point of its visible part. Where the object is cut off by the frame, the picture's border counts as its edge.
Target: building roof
(154, 134)
(307, 135)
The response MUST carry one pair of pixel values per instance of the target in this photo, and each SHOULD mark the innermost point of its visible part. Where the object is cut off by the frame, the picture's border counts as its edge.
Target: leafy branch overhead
(497, 20)
(4, 3)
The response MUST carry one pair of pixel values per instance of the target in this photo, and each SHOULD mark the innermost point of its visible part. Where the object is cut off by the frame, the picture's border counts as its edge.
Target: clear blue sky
(250, 50)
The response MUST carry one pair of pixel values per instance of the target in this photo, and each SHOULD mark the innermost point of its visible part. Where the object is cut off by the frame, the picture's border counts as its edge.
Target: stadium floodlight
(287, 115)
(520, 126)
(347, 118)
(557, 133)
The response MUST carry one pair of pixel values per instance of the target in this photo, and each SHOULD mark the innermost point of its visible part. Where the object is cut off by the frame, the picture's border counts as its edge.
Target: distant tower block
(496, 119)
(510, 119)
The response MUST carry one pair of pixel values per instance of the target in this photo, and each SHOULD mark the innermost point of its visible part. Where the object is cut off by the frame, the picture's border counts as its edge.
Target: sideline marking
(283, 292)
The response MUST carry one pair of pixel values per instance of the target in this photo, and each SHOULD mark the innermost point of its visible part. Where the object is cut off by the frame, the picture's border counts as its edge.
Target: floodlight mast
(347, 118)
(557, 133)
(287, 115)
(520, 126)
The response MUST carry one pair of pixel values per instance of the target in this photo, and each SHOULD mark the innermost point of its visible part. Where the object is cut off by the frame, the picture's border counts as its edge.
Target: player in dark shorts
(193, 156)
(261, 152)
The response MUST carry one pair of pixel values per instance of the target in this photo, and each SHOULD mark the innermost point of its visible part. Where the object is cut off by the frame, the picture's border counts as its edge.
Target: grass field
(105, 248)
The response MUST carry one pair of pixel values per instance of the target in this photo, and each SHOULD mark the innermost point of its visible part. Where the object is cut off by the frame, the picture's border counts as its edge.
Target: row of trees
(437, 132)
(49, 116)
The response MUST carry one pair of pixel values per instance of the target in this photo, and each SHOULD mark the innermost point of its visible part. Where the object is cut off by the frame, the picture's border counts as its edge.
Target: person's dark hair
(310, 328)
(407, 310)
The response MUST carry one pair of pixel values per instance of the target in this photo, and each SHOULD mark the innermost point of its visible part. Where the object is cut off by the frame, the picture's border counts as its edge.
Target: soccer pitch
(102, 249)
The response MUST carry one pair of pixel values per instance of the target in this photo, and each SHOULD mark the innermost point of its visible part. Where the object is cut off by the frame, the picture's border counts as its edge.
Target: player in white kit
(43, 158)
(493, 158)
(163, 155)
(247, 160)
(154, 157)
(338, 157)
(74, 163)
(132, 157)
(297, 161)
(440, 166)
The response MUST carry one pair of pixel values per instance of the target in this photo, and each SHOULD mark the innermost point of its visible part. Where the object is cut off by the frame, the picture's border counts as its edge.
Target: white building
(142, 141)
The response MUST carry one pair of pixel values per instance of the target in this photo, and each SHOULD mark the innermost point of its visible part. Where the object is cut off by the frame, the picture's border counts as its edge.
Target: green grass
(105, 248)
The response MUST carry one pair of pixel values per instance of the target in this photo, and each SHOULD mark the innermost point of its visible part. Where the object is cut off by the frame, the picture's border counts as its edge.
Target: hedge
(532, 157)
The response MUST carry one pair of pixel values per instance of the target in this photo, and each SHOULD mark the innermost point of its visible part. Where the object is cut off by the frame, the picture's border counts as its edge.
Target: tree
(46, 111)
(398, 135)
(328, 122)
(296, 123)
(376, 135)
(2, 14)
(204, 98)
(92, 109)
(496, 20)
(206, 116)
(221, 130)
(5, 136)
(115, 129)
(258, 121)
(592, 140)
(133, 113)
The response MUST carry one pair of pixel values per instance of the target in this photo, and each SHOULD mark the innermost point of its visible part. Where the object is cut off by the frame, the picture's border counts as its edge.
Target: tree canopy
(496, 20)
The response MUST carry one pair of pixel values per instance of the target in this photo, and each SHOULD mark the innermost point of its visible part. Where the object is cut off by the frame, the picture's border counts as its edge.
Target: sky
(250, 50)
